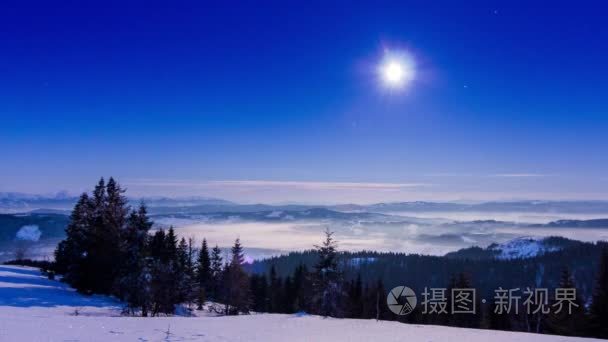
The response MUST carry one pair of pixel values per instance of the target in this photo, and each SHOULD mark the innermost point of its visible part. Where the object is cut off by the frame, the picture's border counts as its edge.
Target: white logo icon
(401, 300)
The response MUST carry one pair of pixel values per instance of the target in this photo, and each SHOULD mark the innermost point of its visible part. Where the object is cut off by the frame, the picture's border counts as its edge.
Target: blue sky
(281, 101)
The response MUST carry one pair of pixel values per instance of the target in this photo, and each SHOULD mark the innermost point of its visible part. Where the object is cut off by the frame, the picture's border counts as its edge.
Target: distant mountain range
(15, 202)
(507, 206)
(596, 223)
(12, 202)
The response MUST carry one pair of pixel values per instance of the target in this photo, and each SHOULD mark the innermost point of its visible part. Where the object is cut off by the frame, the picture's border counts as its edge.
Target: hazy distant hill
(596, 223)
(520, 248)
(12, 202)
(516, 206)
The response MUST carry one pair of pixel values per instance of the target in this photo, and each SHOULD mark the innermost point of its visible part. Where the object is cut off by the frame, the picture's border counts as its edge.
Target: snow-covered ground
(524, 247)
(33, 308)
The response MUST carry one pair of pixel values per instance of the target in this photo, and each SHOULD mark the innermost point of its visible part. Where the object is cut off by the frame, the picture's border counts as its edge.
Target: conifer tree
(71, 253)
(469, 320)
(598, 315)
(354, 307)
(301, 288)
(109, 218)
(96, 245)
(259, 292)
(116, 208)
(327, 279)
(133, 282)
(166, 290)
(203, 274)
(156, 246)
(374, 305)
(563, 322)
(287, 305)
(171, 245)
(236, 283)
(182, 272)
(275, 291)
(216, 273)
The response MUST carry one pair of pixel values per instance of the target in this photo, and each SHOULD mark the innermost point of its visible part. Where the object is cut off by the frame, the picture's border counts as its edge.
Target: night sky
(283, 101)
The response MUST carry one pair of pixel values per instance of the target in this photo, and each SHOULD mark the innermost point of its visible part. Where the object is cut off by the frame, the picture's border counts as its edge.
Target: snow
(275, 213)
(524, 247)
(359, 261)
(29, 233)
(25, 290)
(33, 308)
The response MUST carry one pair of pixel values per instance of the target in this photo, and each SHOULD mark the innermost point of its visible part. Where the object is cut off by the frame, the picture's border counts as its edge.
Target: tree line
(109, 249)
(587, 318)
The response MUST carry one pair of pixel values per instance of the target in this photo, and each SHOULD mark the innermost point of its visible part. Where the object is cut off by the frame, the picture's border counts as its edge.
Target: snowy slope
(25, 290)
(33, 308)
(523, 247)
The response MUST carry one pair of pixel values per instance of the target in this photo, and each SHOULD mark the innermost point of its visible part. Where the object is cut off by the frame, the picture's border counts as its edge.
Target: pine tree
(259, 292)
(95, 264)
(166, 284)
(288, 297)
(216, 273)
(275, 291)
(238, 255)
(468, 320)
(191, 272)
(116, 208)
(236, 283)
(301, 288)
(182, 272)
(71, 253)
(203, 274)
(327, 279)
(598, 320)
(157, 271)
(109, 218)
(133, 282)
(170, 252)
(354, 307)
(565, 322)
(374, 303)
(156, 246)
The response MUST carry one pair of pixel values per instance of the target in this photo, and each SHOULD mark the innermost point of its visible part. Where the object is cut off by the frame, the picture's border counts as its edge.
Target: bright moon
(397, 72)
(393, 73)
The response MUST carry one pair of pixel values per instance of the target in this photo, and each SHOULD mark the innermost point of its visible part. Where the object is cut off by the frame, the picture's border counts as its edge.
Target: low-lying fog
(426, 232)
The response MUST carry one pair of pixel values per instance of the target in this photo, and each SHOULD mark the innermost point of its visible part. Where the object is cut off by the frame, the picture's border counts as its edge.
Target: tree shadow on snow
(28, 288)
(25, 271)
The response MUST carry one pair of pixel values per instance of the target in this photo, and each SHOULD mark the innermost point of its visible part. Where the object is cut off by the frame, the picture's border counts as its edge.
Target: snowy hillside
(33, 308)
(519, 248)
(524, 247)
(25, 292)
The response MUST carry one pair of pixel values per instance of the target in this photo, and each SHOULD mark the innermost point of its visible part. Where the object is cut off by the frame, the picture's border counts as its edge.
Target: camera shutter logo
(401, 300)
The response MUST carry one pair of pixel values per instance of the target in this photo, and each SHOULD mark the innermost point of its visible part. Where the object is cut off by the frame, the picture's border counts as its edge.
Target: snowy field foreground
(33, 308)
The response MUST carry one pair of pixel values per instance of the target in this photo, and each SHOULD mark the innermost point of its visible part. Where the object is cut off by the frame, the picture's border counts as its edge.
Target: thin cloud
(448, 174)
(319, 185)
(515, 175)
(279, 184)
